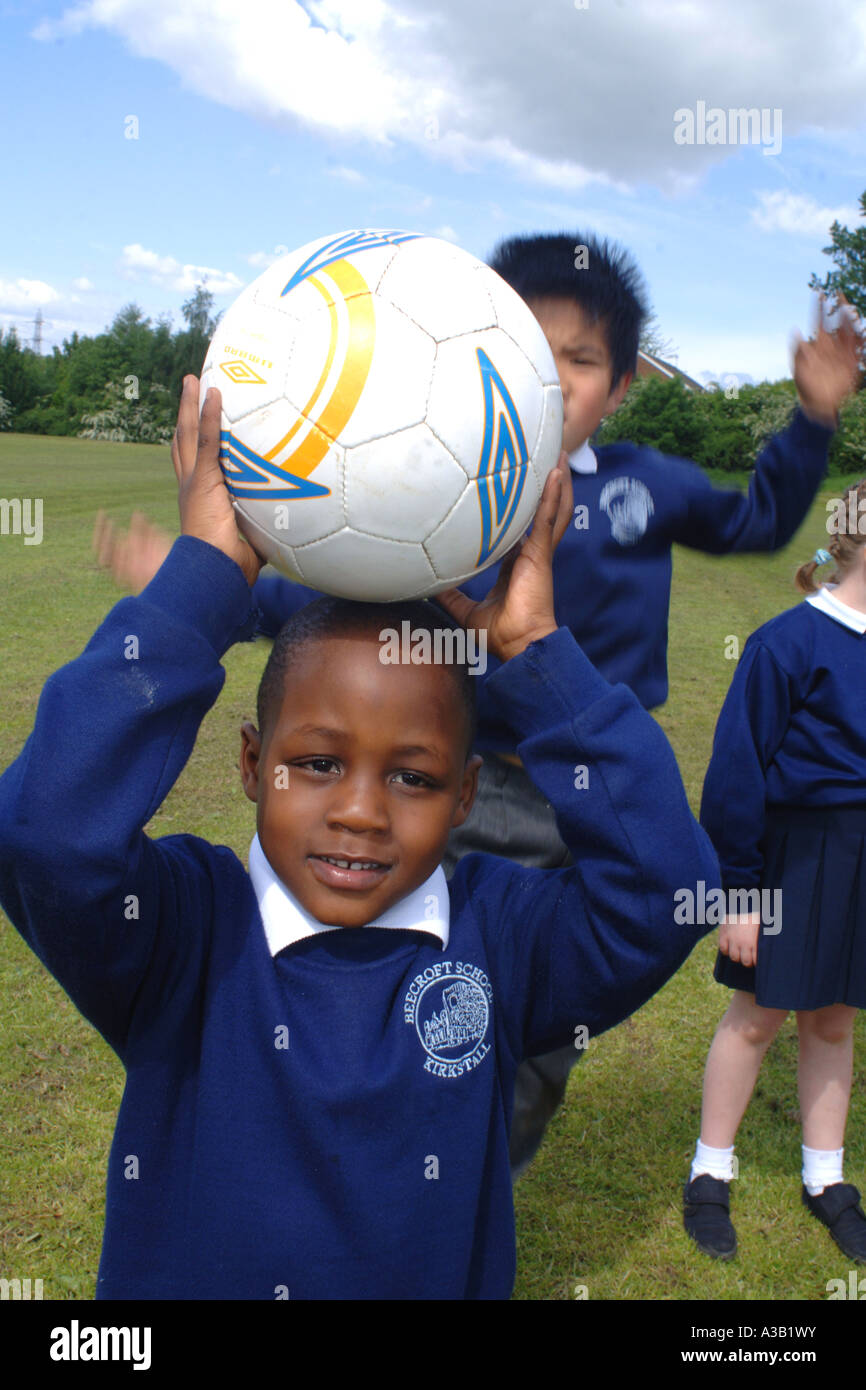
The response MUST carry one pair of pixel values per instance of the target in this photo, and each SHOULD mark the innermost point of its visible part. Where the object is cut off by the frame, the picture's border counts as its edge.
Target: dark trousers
(511, 818)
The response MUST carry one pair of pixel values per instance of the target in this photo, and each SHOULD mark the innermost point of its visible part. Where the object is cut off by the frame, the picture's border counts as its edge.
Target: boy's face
(375, 760)
(582, 357)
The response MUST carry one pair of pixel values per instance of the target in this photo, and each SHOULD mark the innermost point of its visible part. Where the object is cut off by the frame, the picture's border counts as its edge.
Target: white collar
(826, 602)
(583, 460)
(287, 922)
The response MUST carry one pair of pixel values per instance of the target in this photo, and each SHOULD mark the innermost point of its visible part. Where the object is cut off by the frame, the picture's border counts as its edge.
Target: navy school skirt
(817, 857)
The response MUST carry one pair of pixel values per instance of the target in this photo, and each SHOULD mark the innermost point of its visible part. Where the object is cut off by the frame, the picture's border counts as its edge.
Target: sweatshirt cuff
(551, 681)
(810, 433)
(201, 586)
(739, 881)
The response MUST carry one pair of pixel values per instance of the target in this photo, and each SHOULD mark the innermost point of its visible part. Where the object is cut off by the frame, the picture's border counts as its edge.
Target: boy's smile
(583, 361)
(359, 778)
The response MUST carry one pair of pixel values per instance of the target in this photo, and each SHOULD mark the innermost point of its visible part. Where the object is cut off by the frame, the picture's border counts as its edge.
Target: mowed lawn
(598, 1214)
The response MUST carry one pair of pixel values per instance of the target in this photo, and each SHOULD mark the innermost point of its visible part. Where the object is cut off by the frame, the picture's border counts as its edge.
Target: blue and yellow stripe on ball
(284, 470)
(499, 488)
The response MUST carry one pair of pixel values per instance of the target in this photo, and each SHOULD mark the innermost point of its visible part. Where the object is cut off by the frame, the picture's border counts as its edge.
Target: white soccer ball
(390, 412)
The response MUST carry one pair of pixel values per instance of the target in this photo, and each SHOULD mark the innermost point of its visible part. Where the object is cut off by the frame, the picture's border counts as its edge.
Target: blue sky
(265, 123)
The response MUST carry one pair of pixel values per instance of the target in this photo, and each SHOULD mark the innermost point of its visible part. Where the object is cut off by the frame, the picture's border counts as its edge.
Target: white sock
(821, 1168)
(719, 1163)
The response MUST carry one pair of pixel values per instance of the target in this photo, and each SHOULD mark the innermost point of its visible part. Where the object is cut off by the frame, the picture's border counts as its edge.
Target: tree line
(123, 384)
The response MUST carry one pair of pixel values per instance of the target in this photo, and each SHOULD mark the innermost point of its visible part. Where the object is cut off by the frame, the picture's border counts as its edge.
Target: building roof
(647, 365)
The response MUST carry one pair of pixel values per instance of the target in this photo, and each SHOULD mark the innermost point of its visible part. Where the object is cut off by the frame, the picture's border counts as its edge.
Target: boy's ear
(617, 393)
(468, 790)
(251, 747)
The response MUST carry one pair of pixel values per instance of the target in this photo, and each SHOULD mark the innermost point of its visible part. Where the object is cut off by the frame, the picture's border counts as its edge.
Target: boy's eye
(319, 764)
(414, 779)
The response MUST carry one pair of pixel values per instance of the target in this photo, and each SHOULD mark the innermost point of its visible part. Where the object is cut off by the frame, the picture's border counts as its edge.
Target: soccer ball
(390, 412)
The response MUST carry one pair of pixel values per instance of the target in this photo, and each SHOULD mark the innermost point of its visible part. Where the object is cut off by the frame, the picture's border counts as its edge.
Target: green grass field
(600, 1207)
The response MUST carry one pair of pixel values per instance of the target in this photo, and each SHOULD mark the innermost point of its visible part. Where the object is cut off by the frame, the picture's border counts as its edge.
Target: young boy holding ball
(321, 1053)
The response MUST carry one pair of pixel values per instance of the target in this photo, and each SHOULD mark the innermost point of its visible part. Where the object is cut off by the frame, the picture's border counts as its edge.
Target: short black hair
(339, 617)
(609, 289)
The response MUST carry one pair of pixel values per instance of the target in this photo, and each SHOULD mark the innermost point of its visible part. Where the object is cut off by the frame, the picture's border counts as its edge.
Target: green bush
(661, 414)
(848, 446)
(126, 420)
(48, 417)
(727, 428)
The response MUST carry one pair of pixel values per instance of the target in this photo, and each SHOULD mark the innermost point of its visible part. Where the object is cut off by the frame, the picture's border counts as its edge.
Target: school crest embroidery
(449, 1005)
(629, 504)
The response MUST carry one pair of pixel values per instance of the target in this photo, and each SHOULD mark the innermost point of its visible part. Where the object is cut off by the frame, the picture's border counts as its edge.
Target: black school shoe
(838, 1207)
(706, 1204)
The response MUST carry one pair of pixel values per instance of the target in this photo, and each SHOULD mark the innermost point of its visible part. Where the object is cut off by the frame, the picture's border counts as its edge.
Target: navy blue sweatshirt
(612, 568)
(262, 1172)
(791, 733)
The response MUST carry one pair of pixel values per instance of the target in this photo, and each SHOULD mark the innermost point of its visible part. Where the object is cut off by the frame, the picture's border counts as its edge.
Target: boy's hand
(738, 937)
(205, 505)
(133, 556)
(827, 367)
(519, 608)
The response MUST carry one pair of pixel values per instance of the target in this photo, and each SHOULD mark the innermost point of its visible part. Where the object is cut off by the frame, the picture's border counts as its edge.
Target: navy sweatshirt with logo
(343, 1164)
(612, 569)
(791, 733)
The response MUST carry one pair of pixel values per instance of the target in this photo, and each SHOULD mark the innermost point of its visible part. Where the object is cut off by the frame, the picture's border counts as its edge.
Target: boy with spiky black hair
(320, 1053)
(612, 570)
(610, 290)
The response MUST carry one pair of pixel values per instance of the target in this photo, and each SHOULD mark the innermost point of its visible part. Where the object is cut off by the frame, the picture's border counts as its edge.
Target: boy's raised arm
(113, 730)
(790, 467)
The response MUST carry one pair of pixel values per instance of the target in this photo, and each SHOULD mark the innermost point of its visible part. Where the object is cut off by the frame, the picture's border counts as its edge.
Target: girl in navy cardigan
(785, 805)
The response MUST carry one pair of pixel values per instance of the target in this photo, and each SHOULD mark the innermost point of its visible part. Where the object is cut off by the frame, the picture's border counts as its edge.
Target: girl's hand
(519, 608)
(205, 505)
(738, 937)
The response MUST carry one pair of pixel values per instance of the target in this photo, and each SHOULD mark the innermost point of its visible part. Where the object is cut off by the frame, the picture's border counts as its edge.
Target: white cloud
(260, 260)
(346, 175)
(446, 232)
(799, 214)
(136, 258)
(24, 294)
(560, 96)
(70, 23)
(137, 262)
(82, 283)
(562, 174)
